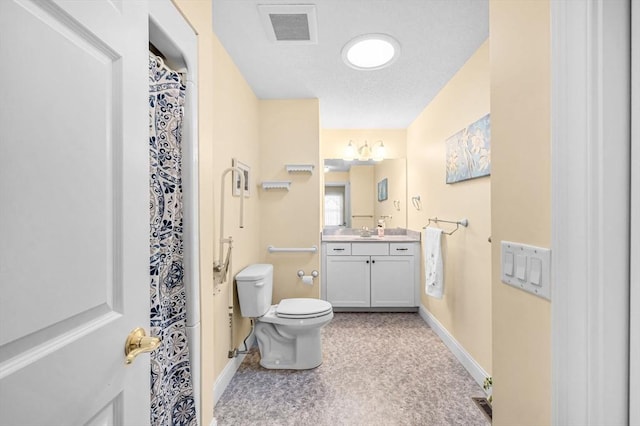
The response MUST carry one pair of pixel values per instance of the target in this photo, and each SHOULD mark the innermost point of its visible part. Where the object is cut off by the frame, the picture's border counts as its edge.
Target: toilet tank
(255, 287)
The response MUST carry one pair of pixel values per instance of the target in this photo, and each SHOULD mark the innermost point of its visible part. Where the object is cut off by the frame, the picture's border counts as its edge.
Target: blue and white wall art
(469, 152)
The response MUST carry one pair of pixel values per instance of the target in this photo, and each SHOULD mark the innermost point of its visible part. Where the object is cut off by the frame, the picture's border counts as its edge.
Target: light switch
(521, 267)
(527, 268)
(508, 263)
(536, 271)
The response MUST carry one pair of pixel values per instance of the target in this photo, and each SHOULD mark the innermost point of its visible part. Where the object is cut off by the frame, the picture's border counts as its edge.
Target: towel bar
(463, 222)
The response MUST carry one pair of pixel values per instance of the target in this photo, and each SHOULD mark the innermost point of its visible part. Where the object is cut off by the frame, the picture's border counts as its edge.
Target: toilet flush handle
(259, 284)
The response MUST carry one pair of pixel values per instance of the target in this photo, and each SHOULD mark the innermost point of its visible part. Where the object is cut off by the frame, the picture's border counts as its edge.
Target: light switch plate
(532, 267)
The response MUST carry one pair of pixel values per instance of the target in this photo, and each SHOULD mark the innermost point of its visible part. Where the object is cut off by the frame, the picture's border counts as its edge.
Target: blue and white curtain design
(172, 401)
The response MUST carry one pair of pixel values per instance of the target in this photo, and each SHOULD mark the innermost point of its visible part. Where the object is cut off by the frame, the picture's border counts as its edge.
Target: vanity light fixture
(365, 152)
(371, 51)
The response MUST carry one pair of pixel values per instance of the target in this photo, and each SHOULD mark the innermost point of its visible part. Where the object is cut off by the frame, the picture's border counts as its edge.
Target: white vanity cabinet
(371, 274)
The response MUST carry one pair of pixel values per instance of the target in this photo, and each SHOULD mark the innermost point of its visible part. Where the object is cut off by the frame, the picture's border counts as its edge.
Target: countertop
(353, 235)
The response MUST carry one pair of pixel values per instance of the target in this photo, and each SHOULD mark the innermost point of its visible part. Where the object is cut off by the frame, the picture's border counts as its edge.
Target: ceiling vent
(290, 23)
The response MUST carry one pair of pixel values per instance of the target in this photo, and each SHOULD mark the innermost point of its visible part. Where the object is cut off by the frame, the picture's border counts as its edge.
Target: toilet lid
(303, 308)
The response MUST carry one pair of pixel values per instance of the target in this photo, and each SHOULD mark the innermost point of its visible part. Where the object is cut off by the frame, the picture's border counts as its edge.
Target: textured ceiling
(436, 37)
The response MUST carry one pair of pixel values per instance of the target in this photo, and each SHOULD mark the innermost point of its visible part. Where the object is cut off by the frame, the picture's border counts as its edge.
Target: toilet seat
(299, 312)
(302, 308)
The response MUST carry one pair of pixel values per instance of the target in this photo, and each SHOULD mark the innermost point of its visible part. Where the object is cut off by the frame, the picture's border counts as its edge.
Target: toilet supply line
(235, 352)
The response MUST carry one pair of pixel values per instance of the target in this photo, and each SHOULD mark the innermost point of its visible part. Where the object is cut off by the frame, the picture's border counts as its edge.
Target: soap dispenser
(381, 228)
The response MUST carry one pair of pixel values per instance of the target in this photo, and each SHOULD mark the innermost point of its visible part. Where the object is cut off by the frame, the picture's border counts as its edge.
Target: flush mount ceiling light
(371, 51)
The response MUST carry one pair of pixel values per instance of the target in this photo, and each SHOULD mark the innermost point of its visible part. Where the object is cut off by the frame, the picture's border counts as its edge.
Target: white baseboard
(227, 373)
(477, 372)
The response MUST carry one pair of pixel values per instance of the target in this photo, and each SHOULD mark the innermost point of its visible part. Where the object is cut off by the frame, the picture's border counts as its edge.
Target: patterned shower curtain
(172, 401)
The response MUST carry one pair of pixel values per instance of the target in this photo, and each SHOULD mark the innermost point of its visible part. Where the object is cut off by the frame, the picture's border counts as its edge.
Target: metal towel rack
(311, 249)
(463, 222)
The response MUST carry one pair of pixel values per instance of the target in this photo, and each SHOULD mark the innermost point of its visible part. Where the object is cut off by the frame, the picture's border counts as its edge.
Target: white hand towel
(432, 250)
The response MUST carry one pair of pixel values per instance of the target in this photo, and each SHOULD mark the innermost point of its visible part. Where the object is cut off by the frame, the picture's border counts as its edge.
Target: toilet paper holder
(314, 273)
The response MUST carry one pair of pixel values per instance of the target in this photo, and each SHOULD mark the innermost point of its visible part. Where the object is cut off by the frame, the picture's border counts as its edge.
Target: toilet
(288, 333)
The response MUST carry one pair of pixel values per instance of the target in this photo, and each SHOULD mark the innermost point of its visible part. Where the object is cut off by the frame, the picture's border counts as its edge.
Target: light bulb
(365, 152)
(379, 152)
(349, 152)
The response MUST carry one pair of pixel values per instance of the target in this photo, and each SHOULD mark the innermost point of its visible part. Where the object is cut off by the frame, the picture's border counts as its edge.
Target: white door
(74, 250)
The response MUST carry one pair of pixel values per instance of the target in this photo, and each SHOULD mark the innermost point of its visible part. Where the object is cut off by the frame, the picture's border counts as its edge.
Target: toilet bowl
(288, 333)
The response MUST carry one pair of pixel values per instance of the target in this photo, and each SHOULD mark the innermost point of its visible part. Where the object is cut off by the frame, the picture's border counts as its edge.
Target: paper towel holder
(300, 273)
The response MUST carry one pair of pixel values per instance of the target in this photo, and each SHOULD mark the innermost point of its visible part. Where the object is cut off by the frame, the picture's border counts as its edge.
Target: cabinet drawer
(338, 249)
(370, 249)
(402, 249)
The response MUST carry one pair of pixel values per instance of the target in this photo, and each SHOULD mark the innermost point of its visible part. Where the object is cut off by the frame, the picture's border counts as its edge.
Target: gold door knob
(137, 343)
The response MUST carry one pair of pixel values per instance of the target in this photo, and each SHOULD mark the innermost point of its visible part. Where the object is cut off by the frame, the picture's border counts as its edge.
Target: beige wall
(465, 309)
(290, 134)
(228, 128)
(336, 177)
(520, 205)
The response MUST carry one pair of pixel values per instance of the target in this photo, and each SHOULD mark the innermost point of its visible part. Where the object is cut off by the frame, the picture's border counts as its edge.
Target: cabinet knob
(373, 261)
(367, 261)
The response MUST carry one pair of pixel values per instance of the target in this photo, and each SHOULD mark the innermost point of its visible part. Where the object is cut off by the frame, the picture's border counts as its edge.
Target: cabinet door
(348, 281)
(392, 281)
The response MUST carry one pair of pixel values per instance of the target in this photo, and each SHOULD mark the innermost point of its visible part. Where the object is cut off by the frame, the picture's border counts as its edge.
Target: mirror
(354, 196)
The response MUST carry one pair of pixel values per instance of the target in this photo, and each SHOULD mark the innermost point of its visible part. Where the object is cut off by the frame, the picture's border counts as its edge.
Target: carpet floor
(378, 369)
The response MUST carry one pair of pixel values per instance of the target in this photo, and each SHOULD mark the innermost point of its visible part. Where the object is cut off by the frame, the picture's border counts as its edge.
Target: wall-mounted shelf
(306, 168)
(276, 184)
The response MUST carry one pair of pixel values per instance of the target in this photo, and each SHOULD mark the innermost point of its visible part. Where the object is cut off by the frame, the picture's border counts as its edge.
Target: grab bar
(312, 249)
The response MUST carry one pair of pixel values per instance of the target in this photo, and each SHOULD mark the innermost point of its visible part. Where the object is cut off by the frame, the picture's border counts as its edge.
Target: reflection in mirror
(351, 193)
(335, 204)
